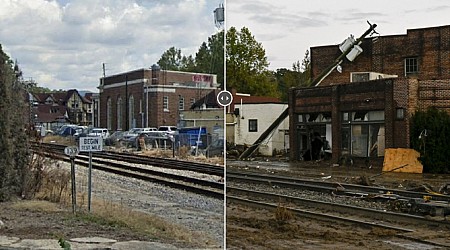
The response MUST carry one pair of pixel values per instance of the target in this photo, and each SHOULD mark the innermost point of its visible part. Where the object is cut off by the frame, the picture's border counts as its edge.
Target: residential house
(57, 108)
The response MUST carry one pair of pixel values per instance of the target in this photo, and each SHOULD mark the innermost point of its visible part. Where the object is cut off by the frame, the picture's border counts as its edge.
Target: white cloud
(287, 28)
(62, 44)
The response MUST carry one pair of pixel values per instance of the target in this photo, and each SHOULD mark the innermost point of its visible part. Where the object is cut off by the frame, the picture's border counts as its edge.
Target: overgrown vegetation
(282, 214)
(14, 148)
(430, 136)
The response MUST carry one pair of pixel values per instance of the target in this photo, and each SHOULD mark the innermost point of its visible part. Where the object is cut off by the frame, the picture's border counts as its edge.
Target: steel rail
(147, 160)
(329, 218)
(325, 186)
(380, 216)
(127, 172)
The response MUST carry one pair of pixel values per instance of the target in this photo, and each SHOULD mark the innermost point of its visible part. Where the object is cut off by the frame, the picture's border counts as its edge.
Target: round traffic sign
(71, 151)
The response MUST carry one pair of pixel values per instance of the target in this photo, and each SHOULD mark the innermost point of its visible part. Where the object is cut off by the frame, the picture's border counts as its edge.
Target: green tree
(247, 65)
(210, 57)
(299, 76)
(14, 153)
(171, 59)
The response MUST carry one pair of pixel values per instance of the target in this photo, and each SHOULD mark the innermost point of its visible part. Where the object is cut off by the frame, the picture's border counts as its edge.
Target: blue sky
(287, 28)
(62, 44)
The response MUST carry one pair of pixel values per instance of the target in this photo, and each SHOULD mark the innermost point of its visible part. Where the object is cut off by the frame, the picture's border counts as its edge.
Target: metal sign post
(72, 152)
(90, 144)
(74, 190)
(90, 182)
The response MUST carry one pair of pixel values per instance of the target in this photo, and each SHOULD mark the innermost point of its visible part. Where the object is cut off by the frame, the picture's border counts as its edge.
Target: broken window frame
(367, 122)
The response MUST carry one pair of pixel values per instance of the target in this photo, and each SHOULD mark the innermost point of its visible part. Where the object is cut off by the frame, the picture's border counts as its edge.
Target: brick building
(149, 98)
(367, 107)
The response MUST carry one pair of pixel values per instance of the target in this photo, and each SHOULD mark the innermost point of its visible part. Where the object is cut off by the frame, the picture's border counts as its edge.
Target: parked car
(168, 129)
(102, 132)
(114, 139)
(69, 130)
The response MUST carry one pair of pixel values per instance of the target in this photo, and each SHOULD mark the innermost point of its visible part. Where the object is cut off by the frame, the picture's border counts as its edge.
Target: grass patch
(36, 205)
(115, 215)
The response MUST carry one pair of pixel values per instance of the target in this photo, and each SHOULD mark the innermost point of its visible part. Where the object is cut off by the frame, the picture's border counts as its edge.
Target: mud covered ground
(248, 228)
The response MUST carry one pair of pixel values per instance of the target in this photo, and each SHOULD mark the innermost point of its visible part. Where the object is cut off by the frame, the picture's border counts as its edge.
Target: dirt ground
(248, 228)
(258, 229)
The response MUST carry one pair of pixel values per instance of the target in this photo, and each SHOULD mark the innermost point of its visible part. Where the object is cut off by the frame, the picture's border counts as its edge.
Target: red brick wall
(434, 93)
(157, 116)
(386, 55)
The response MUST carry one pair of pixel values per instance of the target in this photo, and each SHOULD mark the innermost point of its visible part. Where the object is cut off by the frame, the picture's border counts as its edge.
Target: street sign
(71, 151)
(91, 144)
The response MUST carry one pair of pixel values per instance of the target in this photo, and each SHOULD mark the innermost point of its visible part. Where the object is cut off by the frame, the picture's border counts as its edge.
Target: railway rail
(146, 160)
(436, 204)
(269, 192)
(126, 166)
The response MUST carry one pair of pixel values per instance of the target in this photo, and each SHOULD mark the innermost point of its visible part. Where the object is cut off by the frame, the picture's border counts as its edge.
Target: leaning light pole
(351, 51)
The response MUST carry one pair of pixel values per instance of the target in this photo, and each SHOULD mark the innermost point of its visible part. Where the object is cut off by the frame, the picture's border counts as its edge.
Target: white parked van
(103, 132)
(168, 129)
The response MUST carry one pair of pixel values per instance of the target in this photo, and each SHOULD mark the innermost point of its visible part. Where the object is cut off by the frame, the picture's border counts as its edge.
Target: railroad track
(146, 160)
(328, 187)
(123, 166)
(268, 192)
(439, 241)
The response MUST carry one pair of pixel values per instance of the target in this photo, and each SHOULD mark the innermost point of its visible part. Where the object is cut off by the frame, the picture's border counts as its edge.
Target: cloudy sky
(287, 28)
(62, 44)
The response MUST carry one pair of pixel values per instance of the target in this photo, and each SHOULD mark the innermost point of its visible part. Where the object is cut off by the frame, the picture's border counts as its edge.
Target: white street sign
(71, 151)
(91, 144)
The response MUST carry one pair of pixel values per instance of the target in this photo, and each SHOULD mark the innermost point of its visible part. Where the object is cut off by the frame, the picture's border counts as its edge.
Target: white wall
(265, 114)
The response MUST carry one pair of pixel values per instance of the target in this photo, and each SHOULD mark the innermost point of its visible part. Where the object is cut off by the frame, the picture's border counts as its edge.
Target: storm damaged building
(367, 107)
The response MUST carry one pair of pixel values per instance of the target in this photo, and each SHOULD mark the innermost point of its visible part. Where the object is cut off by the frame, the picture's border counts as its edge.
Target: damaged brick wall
(431, 46)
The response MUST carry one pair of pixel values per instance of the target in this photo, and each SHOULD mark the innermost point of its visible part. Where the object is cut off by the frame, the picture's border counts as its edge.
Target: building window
(131, 118)
(181, 103)
(192, 101)
(166, 103)
(411, 66)
(252, 125)
(119, 113)
(109, 114)
(400, 113)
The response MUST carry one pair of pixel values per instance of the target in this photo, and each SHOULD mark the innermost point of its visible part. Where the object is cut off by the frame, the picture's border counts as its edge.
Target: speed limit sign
(71, 151)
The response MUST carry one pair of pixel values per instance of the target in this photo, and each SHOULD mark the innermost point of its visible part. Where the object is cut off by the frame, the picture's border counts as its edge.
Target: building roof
(209, 100)
(49, 113)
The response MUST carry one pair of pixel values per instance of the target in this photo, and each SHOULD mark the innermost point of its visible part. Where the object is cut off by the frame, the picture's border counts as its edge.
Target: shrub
(429, 135)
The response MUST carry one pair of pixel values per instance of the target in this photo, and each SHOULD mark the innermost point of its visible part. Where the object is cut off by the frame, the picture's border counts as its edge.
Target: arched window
(131, 118)
(109, 113)
(119, 113)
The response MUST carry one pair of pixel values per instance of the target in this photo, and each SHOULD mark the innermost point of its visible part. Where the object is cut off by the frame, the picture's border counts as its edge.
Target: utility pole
(315, 82)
